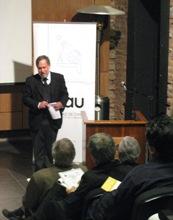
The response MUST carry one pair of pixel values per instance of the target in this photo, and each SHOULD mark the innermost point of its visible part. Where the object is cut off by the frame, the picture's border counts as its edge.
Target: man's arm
(31, 198)
(28, 97)
(116, 204)
(64, 94)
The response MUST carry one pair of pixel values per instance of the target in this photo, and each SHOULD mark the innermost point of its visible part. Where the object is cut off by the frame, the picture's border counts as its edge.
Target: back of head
(129, 149)
(102, 148)
(159, 134)
(63, 152)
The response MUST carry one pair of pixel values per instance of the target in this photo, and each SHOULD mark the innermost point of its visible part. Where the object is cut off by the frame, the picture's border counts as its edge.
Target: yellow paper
(110, 184)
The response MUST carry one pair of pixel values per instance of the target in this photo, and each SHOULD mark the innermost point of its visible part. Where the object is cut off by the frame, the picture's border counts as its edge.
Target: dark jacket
(92, 179)
(41, 183)
(34, 93)
(96, 177)
(71, 206)
(118, 204)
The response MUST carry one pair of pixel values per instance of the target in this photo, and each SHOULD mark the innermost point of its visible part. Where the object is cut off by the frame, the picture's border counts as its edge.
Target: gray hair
(102, 147)
(63, 152)
(129, 149)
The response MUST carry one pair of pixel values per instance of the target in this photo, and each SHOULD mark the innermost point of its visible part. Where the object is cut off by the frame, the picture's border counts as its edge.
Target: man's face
(43, 68)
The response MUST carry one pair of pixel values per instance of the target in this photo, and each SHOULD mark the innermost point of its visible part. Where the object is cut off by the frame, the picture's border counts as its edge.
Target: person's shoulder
(40, 172)
(138, 170)
(58, 77)
(80, 165)
(43, 173)
(92, 173)
(33, 77)
(128, 164)
(53, 74)
(141, 166)
(115, 163)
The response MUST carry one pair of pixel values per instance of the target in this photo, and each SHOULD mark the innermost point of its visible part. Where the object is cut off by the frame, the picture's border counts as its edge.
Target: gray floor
(15, 168)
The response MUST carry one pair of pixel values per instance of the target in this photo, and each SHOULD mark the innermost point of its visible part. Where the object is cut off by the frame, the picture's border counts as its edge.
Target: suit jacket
(34, 93)
(94, 178)
(42, 182)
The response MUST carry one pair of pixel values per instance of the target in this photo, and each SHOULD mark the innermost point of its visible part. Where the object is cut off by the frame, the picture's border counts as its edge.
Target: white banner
(71, 48)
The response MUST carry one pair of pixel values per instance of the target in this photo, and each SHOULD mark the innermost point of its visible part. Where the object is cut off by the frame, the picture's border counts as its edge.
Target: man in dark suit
(42, 92)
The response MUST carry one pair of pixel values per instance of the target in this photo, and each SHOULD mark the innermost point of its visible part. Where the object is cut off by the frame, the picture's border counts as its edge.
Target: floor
(15, 168)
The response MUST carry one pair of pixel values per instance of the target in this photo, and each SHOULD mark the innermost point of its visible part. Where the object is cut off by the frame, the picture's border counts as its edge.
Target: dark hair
(102, 147)
(159, 134)
(63, 152)
(42, 57)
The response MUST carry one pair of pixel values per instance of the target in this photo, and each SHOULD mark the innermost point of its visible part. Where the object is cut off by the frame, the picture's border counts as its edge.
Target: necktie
(46, 90)
(45, 81)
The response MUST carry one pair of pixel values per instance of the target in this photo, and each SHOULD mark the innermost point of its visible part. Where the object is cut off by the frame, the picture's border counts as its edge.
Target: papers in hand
(110, 184)
(70, 178)
(55, 114)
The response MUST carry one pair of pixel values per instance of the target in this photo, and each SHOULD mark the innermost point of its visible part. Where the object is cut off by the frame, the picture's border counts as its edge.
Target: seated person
(158, 172)
(102, 149)
(129, 150)
(41, 182)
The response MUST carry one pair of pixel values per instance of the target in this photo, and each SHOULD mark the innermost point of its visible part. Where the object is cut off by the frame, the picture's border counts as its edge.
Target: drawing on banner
(69, 57)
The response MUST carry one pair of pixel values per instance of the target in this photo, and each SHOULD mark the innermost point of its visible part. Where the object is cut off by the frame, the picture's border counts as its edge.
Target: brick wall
(117, 62)
(170, 64)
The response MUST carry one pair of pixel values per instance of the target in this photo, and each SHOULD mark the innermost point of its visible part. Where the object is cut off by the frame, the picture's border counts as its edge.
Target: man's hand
(70, 190)
(57, 105)
(43, 105)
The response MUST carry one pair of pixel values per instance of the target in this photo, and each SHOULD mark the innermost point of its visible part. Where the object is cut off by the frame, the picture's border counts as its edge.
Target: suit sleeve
(28, 98)
(116, 204)
(31, 198)
(64, 92)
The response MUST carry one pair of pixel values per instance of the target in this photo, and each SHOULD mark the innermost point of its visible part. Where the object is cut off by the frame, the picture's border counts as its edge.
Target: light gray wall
(15, 40)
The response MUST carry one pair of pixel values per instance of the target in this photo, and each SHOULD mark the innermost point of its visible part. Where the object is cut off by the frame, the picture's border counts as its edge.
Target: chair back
(89, 203)
(152, 201)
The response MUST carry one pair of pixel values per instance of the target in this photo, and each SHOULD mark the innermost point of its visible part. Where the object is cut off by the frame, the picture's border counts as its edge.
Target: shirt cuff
(38, 105)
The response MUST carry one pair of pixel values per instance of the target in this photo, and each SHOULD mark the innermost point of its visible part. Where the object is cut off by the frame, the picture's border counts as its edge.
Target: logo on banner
(75, 102)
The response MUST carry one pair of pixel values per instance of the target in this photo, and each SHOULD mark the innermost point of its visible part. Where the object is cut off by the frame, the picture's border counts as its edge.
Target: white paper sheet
(55, 114)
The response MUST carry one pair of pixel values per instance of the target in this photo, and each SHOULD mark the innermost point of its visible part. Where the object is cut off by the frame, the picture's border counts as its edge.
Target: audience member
(102, 149)
(154, 174)
(129, 150)
(41, 182)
